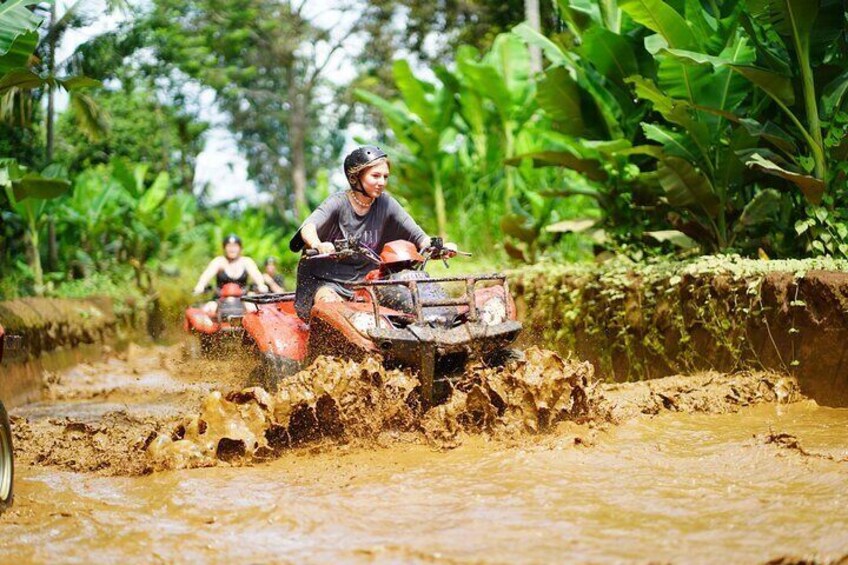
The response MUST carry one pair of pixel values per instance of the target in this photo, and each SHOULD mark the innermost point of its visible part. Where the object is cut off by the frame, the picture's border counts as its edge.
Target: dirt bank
(45, 324)
(643, 321)
(55, 334)
(150, 409)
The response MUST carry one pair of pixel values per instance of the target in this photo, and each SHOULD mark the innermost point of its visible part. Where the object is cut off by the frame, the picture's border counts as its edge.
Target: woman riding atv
(364, 212)
(231, 267)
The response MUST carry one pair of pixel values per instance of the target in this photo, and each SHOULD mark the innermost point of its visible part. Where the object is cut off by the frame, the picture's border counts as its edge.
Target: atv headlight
(493, 311)
(363, 322)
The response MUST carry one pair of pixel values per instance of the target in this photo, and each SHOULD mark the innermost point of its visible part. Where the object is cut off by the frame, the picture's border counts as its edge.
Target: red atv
(398, 311)
(7, 453)
(225, 325)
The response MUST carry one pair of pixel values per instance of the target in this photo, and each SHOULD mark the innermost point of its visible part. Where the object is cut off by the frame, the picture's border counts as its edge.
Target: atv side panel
(277, 331)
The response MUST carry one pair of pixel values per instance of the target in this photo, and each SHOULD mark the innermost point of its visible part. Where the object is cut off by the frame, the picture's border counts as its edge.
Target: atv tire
(7, 461)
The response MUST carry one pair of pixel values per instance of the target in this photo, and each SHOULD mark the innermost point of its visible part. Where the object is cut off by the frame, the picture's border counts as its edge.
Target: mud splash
(344, 401)
(127, 414)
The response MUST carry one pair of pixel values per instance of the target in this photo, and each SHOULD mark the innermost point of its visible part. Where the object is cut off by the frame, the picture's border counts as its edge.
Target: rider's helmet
(359, 159)
(271, 260)
(231, 238)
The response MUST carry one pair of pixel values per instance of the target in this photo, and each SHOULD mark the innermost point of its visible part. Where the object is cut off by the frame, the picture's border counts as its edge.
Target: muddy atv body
(7, 453)
(224, 327)
(405, 316)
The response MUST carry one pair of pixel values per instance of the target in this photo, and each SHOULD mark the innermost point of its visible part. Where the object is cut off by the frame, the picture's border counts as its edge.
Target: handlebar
(345, 248)
(353, 247)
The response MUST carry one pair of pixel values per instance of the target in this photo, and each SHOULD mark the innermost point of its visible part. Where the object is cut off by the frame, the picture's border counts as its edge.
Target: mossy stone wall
(647, 320)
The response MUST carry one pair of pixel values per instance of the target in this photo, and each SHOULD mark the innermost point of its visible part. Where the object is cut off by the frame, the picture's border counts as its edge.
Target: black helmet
(232, 238)
(359, 158)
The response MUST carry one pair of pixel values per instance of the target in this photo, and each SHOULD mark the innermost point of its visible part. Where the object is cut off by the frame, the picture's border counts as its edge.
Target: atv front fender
(422, 347)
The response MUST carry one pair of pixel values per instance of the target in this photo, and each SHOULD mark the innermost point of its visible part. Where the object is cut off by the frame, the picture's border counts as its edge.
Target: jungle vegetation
(651, 127)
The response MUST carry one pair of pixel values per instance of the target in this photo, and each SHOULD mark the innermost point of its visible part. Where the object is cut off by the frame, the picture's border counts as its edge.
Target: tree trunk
(51, 67)
(297, 135)
(52, 245)
(534, 20)
(34, 257)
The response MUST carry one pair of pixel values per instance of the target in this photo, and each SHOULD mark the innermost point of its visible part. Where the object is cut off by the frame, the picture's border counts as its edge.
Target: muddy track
(151, 408)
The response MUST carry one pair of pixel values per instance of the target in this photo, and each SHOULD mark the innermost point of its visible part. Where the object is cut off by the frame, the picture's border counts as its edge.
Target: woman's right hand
(325, 247)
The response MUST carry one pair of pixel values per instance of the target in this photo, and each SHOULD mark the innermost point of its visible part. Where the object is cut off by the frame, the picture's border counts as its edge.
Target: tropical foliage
(650, 127)
(714, 124)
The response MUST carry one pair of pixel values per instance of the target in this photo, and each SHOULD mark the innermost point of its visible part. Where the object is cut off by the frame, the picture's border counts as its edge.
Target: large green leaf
(15, 20)
(175, 209)
(519, 227)
(21, 79)
(511, 58)
(673, 142)
(663, 19)
(19, 53)
(687, 187)
(775, 85)
(153, 196)
(389, 109)
(764, 206)
(36, 186)
(591, 168)
(772, 133)
(559, 95)
(613, 55)
(484, 79)
(811, 187)
(834, 94)
(675, 111)
(78, 82)
(414, 91)
(552, 51)
(791, 18)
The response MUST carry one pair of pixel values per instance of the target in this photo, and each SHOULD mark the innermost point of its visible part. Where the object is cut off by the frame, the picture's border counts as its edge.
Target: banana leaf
(811, 187)
(687, 187)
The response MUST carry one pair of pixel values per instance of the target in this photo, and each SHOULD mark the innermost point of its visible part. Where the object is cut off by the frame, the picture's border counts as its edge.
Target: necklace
(360, 202)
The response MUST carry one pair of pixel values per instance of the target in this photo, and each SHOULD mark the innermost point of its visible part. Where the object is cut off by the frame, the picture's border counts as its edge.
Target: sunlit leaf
(658, 16)
(571, 226)
(675, 237)
(812, 187)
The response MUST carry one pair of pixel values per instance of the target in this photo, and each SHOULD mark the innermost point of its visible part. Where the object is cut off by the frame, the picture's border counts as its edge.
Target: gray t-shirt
(336, 219)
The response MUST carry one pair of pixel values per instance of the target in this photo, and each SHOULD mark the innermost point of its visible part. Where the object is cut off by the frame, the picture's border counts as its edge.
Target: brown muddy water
(704, 468)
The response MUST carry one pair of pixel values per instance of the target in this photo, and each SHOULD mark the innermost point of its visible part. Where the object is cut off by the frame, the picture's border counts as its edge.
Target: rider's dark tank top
(223, 278)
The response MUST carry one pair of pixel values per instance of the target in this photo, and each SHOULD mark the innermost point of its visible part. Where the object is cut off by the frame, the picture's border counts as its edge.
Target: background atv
(399, 312)
(225, 324)
(7, 453)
